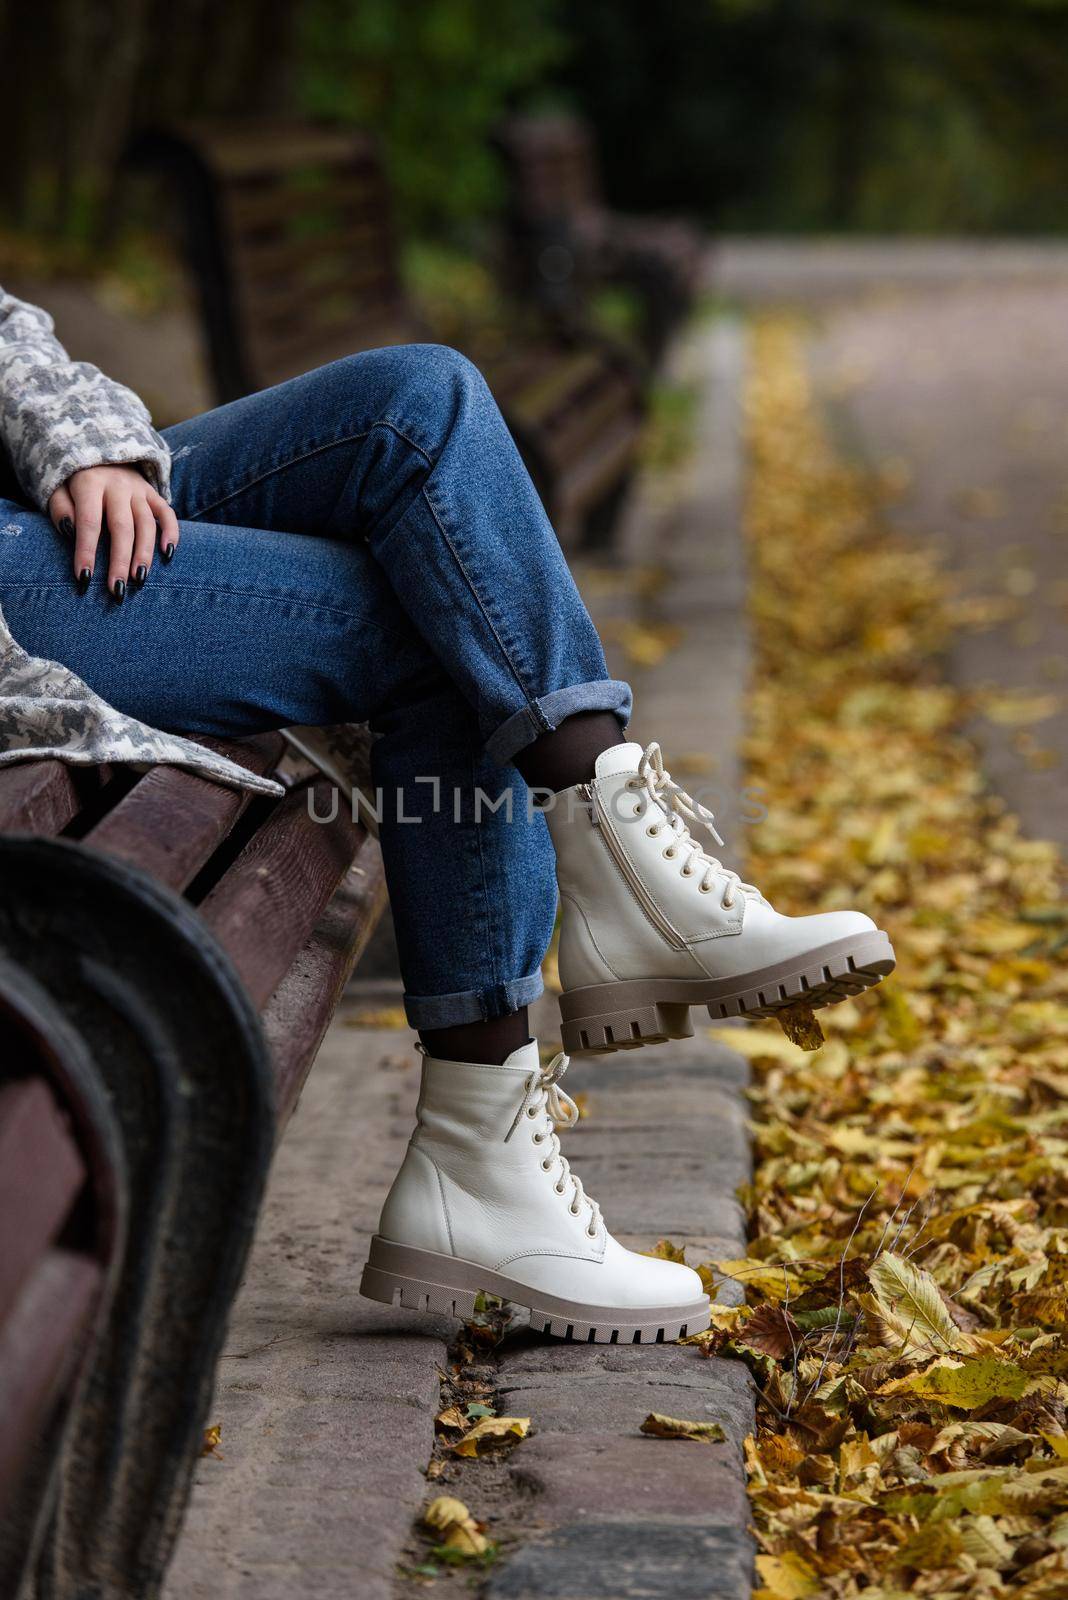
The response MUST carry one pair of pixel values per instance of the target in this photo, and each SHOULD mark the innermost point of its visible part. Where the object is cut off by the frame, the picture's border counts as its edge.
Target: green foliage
(431, 77)
(898, 115)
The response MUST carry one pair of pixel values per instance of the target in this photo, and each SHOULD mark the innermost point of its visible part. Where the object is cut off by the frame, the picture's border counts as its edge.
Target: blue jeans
(362, 544)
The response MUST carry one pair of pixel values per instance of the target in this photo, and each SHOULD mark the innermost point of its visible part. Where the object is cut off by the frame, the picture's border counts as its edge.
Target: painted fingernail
(140, 575)
(118, 589)
(168, 552)
(66, 527)
(85, 577)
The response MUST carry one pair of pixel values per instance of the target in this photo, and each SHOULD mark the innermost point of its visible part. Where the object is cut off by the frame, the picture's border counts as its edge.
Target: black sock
(491, 1040)
(567, 756)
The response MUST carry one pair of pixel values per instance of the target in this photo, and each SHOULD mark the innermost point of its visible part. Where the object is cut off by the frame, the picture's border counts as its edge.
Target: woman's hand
(130, 506)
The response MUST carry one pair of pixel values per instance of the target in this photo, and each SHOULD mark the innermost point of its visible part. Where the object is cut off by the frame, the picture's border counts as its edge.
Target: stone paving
(326, 1401)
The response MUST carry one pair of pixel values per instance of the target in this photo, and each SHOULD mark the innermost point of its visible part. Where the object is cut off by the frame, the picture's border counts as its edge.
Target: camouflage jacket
(56, 417)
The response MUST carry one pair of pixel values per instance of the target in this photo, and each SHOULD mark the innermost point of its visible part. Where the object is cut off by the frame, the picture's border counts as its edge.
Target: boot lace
(680, 809)
(545, 1104)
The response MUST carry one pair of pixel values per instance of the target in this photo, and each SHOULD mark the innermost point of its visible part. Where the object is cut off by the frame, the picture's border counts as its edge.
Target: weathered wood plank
(37, 797)
(265, 906)
(299, 1012)
(40, 1344)
(173, 820)
(41, 1174)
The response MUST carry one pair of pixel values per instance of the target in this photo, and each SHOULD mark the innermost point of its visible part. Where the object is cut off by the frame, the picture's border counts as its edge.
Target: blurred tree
(894, 115)
(432, 76)
(78, 73)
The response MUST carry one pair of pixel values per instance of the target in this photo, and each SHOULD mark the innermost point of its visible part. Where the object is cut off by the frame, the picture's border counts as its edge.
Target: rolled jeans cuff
(549, 710)
(472, 1005)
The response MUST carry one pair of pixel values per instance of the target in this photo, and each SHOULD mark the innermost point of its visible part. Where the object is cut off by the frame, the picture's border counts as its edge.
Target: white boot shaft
(486, 1201)
(650, 919)
(484, 1177)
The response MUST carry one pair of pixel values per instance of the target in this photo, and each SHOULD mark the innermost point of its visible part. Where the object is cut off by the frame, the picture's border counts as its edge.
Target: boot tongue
(621, 758)
(526, 1057)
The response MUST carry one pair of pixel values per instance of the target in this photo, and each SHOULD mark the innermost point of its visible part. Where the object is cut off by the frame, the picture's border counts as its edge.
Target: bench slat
(39, 1345)
(173, 820)
(41, 1173)
(37, 797)
(301, 1008)
(263, 909)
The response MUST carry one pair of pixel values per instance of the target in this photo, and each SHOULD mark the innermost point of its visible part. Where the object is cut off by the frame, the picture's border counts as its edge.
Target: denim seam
(292, 461)
(530, 983)
(240, 594)
(527, 696)
(486, 897)
(503, 749)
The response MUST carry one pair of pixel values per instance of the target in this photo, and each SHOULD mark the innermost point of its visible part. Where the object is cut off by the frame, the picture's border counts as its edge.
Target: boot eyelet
(687, 871)
(591, 1233)
(703, 888)
(632, 783)
(545, 1166)
(539, 1138)
(670, 853)
(639, 811)
(557, 1188)
(531, 1111)
(573, 1211)
(652, 830)
(728, 905)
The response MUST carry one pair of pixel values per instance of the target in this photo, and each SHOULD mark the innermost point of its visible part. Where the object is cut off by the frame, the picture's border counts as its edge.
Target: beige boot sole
(422, 1280)
(637, 1011)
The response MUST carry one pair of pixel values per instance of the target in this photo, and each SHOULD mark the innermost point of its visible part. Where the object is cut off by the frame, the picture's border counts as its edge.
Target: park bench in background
(171, 953)
(288, 231)
(563, 240)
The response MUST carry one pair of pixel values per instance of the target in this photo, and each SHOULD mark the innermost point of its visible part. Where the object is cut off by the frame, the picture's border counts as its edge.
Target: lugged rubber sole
(621, 1016)
(422, 1280)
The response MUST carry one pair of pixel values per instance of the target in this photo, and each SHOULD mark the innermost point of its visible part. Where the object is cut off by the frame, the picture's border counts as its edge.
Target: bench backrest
(552, 169)
(289, 232)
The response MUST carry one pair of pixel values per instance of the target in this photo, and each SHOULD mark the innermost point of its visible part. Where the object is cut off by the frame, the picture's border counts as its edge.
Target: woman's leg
(405, 451)
(250, 629)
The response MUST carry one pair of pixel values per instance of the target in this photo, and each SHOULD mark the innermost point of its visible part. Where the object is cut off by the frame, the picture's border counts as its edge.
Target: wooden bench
(563, 240)
(289, 234)
(171, 953)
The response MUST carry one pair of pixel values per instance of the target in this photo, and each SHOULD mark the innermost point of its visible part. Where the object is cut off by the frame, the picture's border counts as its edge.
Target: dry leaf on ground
(910, 1193)
(489, 1433)
(377, 1017)
(455, 1526)
(800, 1026)
(661, 1427)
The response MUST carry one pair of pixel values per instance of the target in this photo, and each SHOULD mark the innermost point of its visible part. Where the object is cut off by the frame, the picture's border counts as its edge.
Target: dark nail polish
(119, 590)
(140, 575)
(168, 552)
(85, 577)
(66, 527)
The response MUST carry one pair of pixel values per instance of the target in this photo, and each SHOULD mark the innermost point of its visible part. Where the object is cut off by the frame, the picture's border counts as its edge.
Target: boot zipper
(602, 822)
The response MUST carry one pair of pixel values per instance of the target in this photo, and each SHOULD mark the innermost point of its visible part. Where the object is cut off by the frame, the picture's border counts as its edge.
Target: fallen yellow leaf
(799, 1024)
(457, 1528)
(787, 1577)
(491, 1432)
(661, 1427)
(380, 1017)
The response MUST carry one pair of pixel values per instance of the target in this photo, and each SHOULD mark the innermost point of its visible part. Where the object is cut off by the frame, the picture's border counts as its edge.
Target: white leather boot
(651, 924)
(485, 1202)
